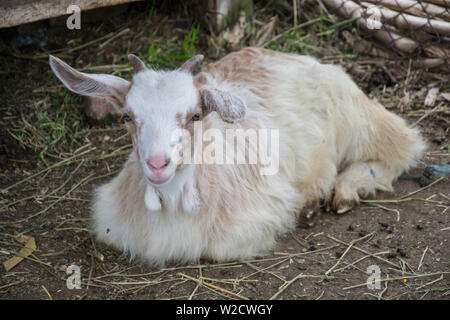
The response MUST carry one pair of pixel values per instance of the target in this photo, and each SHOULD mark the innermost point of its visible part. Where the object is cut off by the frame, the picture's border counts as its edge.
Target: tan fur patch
(131, 125)
(245, 66)
(129, 207)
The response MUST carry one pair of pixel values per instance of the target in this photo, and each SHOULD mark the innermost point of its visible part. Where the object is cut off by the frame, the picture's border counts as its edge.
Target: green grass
(313, 40)
(169, 55)
(53, 128)
(294, 42)
(150, 14)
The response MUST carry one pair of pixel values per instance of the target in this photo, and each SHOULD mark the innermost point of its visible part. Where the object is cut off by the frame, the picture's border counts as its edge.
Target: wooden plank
(16, 12)
(227, 12)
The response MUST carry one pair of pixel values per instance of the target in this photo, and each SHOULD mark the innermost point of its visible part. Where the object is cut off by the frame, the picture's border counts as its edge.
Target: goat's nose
(157, 162)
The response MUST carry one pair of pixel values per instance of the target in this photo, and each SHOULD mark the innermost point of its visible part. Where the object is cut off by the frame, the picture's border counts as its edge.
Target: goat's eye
(126, 117)
(195, 117)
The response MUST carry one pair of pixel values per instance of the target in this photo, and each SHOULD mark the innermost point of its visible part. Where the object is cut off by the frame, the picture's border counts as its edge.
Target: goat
(334, 144)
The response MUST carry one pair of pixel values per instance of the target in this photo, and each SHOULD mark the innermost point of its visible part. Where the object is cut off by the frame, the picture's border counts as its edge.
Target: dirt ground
(52, 157)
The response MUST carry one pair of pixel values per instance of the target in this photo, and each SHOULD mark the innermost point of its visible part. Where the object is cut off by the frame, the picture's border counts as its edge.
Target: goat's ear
(111, 88)
(138, 64)
(189, 65)
(230, 107)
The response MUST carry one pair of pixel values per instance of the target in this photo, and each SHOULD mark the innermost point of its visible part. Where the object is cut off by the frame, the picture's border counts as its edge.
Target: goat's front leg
(317, 184)
(359, 180)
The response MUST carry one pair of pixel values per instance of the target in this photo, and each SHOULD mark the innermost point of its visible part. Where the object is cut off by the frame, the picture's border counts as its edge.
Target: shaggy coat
(334, 144)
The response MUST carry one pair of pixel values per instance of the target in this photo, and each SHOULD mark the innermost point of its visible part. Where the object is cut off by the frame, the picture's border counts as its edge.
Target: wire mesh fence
(418, 29)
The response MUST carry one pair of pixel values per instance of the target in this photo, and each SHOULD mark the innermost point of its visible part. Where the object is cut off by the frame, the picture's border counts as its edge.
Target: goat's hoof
(343, 206)
(309, 215)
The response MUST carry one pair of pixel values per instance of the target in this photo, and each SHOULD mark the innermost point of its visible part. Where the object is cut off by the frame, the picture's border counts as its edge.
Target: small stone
(391, 255)
(402, 252)
(383, 225)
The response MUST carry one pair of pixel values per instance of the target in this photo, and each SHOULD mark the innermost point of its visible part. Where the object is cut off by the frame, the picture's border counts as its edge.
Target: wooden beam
(16, 12)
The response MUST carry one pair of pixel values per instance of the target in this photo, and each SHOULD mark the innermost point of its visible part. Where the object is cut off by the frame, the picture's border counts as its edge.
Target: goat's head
(154, 105)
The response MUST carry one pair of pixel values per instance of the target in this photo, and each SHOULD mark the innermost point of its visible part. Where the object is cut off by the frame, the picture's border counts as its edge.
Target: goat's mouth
(159, 180)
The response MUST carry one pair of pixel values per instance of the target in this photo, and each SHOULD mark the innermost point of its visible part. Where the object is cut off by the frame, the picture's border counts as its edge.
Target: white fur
(331, 137)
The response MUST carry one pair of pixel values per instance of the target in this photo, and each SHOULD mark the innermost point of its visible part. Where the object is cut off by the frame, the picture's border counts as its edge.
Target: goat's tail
(392, 140)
